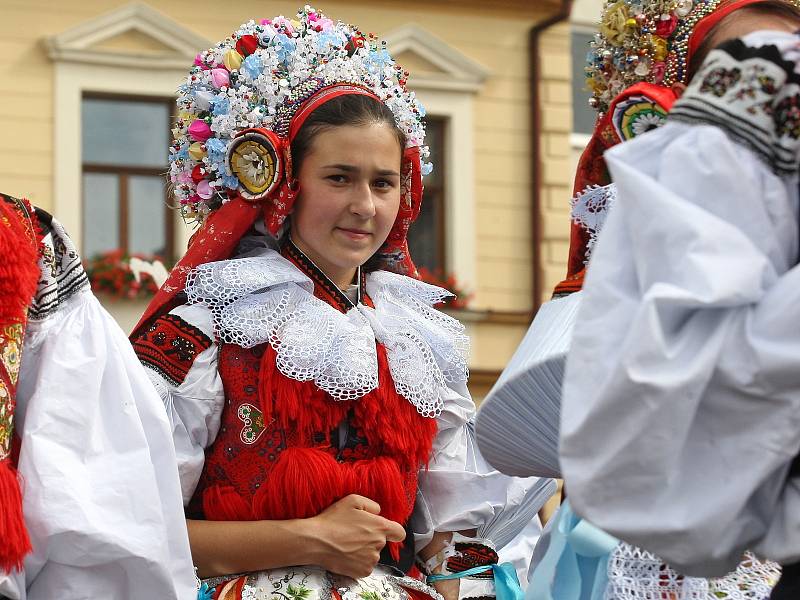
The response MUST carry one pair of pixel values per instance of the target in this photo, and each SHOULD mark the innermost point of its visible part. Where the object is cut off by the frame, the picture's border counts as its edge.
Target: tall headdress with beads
(648, 41)
(642, 48)
(241, 106)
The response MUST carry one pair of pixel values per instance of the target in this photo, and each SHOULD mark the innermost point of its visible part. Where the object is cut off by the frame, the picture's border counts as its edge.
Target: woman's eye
(383, 184)
(337, 178)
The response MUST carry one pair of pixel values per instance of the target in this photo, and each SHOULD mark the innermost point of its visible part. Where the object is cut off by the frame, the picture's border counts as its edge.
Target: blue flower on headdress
(221, 105)
(377, 60)
(284, 46)
(330, 40)
(252, 66)
(426, 168)
(421, 109)
(230, 181)
(216, 149)
(183, 153)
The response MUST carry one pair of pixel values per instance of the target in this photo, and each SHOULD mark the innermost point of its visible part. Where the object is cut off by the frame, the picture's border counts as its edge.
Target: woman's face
(349, 197)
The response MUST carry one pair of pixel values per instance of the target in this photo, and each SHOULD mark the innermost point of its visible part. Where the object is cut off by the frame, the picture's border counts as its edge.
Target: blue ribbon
(575, 566)
(506, 583)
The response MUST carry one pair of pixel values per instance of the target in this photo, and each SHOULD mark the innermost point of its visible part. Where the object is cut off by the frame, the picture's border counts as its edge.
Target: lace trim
(267, 299)
(635, 574)
(590, 209)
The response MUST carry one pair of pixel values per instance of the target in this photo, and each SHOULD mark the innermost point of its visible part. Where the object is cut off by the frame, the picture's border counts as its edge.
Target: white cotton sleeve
(100, 487)
(680, 408)
(194, 406)
(459, 490)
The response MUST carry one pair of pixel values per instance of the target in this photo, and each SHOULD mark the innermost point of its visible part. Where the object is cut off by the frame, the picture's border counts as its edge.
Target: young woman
(318, 398)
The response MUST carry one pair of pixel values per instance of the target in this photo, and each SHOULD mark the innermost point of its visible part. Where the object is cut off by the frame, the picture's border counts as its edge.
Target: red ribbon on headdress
(19, 274)
(707, 23)
(592, 170)
(220, 234)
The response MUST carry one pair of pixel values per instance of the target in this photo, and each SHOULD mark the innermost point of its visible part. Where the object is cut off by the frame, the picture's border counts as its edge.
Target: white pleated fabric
(102, 498)
(681, 406)
(517, 424)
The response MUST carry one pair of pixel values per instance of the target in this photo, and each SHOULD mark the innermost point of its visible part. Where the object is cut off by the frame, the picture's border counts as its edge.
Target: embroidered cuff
(753, 94)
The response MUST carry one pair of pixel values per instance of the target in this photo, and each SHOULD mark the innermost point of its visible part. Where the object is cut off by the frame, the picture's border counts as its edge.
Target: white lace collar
(266, 298)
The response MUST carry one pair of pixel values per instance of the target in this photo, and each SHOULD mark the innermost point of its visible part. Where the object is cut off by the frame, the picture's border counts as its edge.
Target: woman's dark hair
(776, 8)
(350, 109)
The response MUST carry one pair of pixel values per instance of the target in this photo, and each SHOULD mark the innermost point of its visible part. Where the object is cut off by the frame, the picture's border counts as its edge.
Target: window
(124, 155)
(583, 116)
(426, 238)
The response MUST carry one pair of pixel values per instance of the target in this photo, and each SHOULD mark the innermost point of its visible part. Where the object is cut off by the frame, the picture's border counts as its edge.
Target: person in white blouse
(682, 394)
(101, 496)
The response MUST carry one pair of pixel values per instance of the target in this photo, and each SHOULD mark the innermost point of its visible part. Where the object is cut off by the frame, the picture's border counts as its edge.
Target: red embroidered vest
(286, 449)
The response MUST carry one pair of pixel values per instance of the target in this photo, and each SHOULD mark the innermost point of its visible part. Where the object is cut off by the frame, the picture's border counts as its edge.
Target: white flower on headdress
(647, 122)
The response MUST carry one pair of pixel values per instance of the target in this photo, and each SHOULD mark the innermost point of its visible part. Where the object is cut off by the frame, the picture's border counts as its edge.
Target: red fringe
(14, 540)
(302, 484)
(304, 481)
(19, 274)
(298, 405)
(19, 269)
(222, 503)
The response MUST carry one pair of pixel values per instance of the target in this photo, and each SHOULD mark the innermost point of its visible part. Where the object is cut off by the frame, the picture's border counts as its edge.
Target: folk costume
(285, 392)
(646, 46)
(684, 340)
(82, 426)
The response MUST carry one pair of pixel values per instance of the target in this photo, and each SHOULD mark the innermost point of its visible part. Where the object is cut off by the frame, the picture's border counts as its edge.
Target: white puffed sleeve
(460, 490)
(681, 405)
(194, 404)
(100, 487)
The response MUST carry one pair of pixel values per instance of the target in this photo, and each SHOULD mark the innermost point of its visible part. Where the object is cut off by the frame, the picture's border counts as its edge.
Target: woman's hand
(350, 535)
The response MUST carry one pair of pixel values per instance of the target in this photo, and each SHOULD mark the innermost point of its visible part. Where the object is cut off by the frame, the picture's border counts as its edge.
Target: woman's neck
(342, 278)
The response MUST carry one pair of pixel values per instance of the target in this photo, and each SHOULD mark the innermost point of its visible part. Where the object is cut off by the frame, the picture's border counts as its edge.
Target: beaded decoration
(258, 78)
(642, 40)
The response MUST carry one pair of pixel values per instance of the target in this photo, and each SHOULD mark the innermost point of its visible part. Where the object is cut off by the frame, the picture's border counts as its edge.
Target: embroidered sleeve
(187, 380)
(749, 89)
(169, 347)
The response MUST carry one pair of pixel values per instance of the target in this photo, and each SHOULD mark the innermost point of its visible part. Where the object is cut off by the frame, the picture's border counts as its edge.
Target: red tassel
(19, 274)
(303, 483)
(14, 540)
(222, 503)
(299, 405)
(19, 270)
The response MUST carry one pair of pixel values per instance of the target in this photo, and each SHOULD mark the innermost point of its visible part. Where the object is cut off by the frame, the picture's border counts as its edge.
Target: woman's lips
(354, 234)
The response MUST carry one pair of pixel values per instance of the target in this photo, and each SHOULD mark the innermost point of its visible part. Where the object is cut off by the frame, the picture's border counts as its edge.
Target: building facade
(87, 104)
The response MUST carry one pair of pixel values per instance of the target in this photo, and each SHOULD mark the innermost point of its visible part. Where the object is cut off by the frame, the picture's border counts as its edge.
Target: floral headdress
(259, 77)
(239, 110)
(646, 41)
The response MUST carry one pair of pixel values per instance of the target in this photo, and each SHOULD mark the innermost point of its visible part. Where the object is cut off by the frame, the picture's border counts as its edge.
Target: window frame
(124, 172)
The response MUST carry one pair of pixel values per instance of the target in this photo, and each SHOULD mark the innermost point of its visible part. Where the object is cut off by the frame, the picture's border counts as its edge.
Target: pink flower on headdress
(665, 27)
(199, 130)
(319, 23)
(220, 78)
(204, 190)
(199, 62)
(282, 25)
